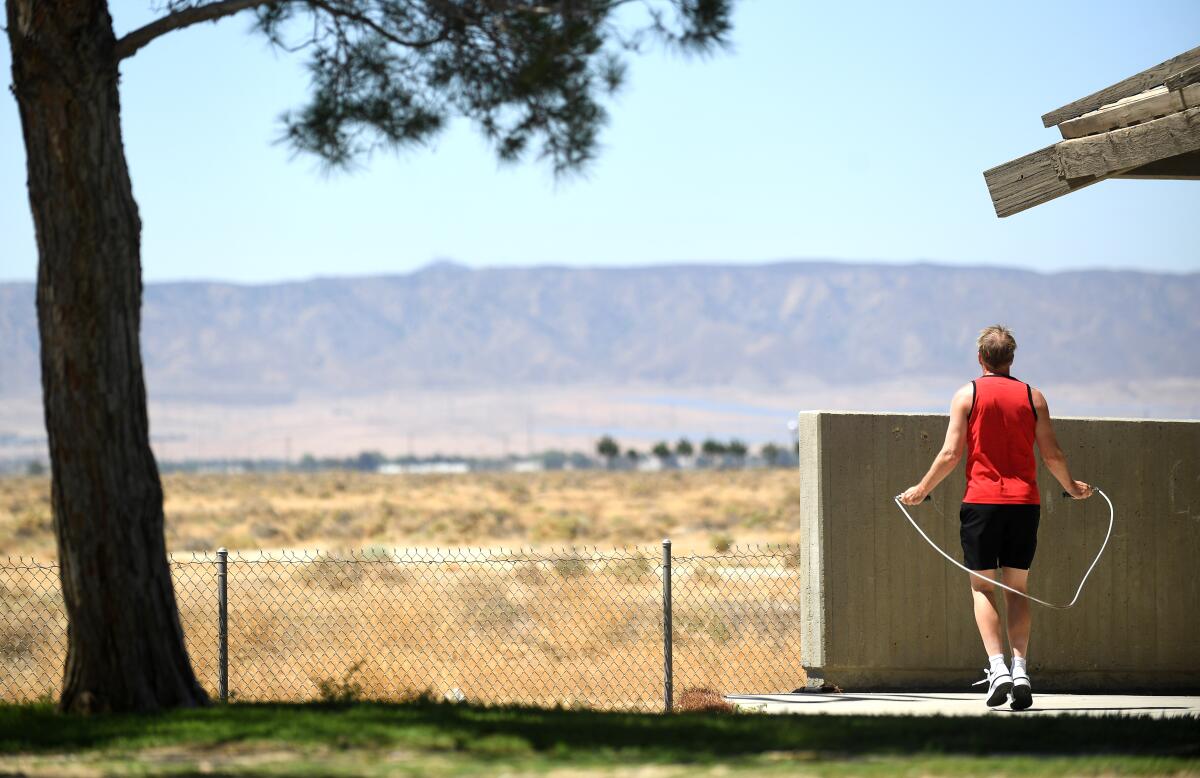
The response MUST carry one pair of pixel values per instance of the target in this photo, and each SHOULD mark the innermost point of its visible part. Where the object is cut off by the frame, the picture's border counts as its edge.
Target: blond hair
(997, 346)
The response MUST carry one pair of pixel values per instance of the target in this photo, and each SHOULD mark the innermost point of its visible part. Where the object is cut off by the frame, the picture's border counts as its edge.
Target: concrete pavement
(965, 704)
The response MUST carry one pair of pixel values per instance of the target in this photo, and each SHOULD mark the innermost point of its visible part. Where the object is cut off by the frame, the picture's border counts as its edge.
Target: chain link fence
(612, 630)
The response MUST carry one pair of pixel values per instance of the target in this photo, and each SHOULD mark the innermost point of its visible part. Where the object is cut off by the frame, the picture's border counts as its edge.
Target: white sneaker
(999, 685)
(1022, 692)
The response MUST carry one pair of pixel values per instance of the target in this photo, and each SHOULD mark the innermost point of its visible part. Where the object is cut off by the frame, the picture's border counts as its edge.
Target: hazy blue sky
(832, 130)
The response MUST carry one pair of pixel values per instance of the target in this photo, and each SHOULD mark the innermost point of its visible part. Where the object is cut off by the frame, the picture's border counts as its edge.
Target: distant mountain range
(771, 325)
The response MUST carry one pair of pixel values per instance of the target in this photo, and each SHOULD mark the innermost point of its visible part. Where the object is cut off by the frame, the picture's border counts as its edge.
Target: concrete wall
(882, 609)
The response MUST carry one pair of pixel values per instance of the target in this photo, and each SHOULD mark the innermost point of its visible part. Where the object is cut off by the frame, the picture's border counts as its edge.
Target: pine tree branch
(342, 12)
(129, 44)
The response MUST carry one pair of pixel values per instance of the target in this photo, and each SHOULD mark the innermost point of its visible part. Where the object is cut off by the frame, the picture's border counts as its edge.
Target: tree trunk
(125, 648)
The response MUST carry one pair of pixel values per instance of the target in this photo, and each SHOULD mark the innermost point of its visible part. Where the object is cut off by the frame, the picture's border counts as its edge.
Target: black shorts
(998, 535)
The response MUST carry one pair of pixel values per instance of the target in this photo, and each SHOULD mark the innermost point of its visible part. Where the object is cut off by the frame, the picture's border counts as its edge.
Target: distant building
(423, 468)
(650, 465)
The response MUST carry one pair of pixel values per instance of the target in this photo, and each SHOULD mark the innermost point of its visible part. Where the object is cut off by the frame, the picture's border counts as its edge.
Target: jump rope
(951, 560)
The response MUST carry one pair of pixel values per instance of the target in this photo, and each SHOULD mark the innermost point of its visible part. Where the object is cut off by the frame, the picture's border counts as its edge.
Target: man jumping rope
(999, 419)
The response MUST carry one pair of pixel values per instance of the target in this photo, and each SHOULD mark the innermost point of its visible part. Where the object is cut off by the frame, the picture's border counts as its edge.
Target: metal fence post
(223, 624)
(668, 663)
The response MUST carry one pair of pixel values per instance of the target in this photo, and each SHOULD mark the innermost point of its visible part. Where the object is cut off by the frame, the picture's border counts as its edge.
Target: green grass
(428, 738)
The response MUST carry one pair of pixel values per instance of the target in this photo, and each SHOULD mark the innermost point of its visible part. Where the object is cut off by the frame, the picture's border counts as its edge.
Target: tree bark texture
(125, 646)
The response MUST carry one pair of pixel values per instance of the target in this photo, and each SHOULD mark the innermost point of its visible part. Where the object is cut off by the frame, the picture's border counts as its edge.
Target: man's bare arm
(1052, 453)
(948, 458)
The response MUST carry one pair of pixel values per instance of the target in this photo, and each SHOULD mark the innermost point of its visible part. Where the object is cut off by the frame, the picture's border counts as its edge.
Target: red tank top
(1001, 468)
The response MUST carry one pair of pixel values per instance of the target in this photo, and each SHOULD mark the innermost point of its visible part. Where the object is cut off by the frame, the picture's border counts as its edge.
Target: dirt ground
(699, 510)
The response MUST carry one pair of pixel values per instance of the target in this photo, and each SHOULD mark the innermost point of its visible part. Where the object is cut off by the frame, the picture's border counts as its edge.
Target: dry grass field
(699, 510)
(551, 626)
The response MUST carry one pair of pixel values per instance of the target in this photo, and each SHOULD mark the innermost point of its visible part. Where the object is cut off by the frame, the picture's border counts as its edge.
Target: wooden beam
(1028, 181)
(1073, 164)
(1183, 78)
(1180, 167)
(1154, 104)
(1147, 79)
(1105, 154)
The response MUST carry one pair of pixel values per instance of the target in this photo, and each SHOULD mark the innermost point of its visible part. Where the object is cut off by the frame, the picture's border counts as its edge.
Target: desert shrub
(306, 526)
(660, 523)
(621, 529)
(632, 625)
(327, 572)
(381, 565)
(718, 630)
(760, 517)
(340, 691)
(570, 568)
(32, 523)
(488, 521)
(722, 542)
(711, 625)
(261, 530)
(192, 543)
(702, 700)
(261, 630)
(561, 526)
(519, 493)
(392, 574)
(705, 572)
(643, 486)
(632, 569)
(530, 574)
(255, 506)
(17, 641)
(494, 612)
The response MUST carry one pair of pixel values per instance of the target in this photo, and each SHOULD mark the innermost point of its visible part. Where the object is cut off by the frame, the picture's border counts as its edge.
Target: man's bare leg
(1018, 635)
(999, 681)
(1018, 610)
(987, 618)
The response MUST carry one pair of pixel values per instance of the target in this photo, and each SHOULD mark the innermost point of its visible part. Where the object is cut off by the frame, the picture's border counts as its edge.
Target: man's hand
(1080, 491)
(913, 495)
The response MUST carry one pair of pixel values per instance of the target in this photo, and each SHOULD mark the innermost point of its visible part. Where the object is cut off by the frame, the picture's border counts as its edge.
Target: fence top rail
(593, 554)
(27, 563)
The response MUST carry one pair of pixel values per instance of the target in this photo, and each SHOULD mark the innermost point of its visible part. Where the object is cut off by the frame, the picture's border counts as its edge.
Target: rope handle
(993, 581)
